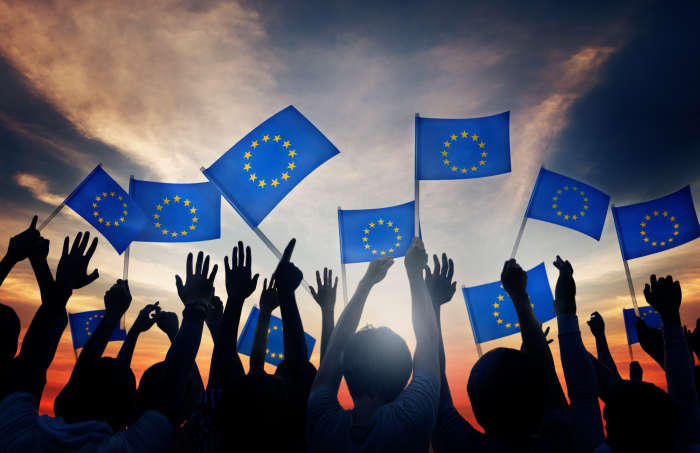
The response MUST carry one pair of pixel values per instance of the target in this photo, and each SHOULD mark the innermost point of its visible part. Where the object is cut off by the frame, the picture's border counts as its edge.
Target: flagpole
(416, 185)
(55, 212)
(629, 348)
(125, 271)
(343, 274)
(630, 285)
(471, 324)
(519, 236)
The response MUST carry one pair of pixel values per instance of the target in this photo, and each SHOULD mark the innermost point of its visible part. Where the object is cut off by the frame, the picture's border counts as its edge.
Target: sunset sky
(603, 93)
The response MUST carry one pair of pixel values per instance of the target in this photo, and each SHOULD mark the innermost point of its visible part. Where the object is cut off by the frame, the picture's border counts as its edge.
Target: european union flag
(274, 353)
(108, 208)
(559, 199)
(656, 225)
(462, 148)
(648, 314)
(178, 212)
(261, 169)
(83, 324)
(366, 234)
(491, 311)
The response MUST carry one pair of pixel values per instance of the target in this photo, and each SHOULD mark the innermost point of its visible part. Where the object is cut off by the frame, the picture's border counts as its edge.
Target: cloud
(39, 188)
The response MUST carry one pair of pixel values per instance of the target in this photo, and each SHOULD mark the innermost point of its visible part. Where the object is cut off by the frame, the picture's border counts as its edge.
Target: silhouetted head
(9, 333)
(506, 389)
(102, 390)
(640, 417)
(149, 394)
(376, 363)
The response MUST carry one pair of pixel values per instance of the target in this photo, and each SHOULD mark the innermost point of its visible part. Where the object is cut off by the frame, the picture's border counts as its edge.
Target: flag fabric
(261, 169)
(274, 353)
(366, 234)
(178, 212)
(107, 207)
(648, 314)
(656, 225)
(83, 324)
(564, 201)
(491, 311)
(462, 148)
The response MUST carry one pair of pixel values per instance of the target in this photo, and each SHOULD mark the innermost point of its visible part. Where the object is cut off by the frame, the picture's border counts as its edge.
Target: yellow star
(675, 226)
(496, 305)
(566, 216)
(366, 231)
(186, 202)
(495, 313)
(464, 134)
(642, 232)
(663, 243)
(277, 138)
(371, 224)
(582, 213)
(107, 223)
(672, 219)
(647, 217)
(554, 206)
(558, 212)
(566, 187)
(246, 167)
(670, 239)
(396, 230)
(173, 234)
(665, 214)
(286, 144)
(192, 227)
(364, 239)
(574, 217)
(166, 201)
(266, 138)
(390, 223)
(453, 168)
(165, 231)
(475, 137)
(444, 153)
(285, 176)
(291, 165)
(98, 198)
(125, 212)
(374, 252)
(124, 204)
(247, 155)
(366, 246)
(559, 191)
(252, 177)
(653, 243)
(482, 144)
(116, 223)
(104, 194)
(254, 144)
(293, 153)
(156, 216)
(382, 252)
(656, 213)
(95, 213)
(195, 219)
(500, 321)
(193, 210)
(675, 233)
(643, 224)
(121, 219)
(275, 183)
(157, 225)
(474, 168)
(398, 244)
(176, 198)
(646, 239)
(464, 170)
(453, 137)
(585, 206)
(447, 144)
(586, 199)
(119, 198)
(262, 183)
(575, 189)
(482, 162)
(446, 162)
(184, 233)
(484, 154)
(94, 205)
(100, 220)
(380, 221)
(500, 297)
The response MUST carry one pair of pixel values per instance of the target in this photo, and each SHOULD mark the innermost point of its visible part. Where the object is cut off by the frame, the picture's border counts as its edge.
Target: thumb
(92, 277)
(178, 284)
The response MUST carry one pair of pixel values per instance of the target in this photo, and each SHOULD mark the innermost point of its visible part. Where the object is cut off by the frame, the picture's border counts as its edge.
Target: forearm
(327, 318)
(257, 354)
(97, 343)
(43, 276)
(603, 352)
(6, 265)
(293, 332)
(225, 362)
(126, 352)
(680, 379)
(606, 378)
(426, 356)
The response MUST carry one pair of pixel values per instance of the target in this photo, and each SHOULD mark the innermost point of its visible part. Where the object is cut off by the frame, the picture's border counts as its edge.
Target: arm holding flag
(269, 300)
(287, 277)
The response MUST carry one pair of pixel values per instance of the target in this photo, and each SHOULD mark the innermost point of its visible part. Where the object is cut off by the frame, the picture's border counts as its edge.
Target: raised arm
(597, 326)
(225, 362)
(287, 277)
(514, 280)
(168, 323)
(330, 371)
(268, 302)
(20, 247)
(651, 340)
(325, 298)
(144, 321)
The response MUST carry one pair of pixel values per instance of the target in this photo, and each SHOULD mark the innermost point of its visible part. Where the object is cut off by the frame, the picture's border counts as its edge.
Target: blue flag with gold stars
(491, 311)
(107, 207)
(261, 169)
(274, 353)
(462, 148)
(656, 225)
(83, 324)
(366, 234)
(650, 317)
(178, 212)
(564, 201)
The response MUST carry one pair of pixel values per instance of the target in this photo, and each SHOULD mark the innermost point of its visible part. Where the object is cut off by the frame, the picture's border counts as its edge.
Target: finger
(287, 255)
(213, 274)
(92, 277)
(451, 269)
(505, 266)
(647, 292)
(65, 246)
(313, 292)
(453, 287)
(178, 284)
(91, 250)
(436, 265)
(330, 277)
(254, 281)
(234, 257)
(76, 243)
(226, 266)
(241, 257)
(189, 266)
(198, 264)
(205, 266)
(653, 280)
(546, 331)
(84, 242)
(443, 271)
(318, 279)
(335, 285)
(32, 226)
(325, 276)
(264, 285)
(248, 259)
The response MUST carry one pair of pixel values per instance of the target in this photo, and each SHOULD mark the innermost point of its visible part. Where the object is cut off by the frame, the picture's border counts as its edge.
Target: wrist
(327, 311)
(9, 260)
(670, 319)
(195, 310)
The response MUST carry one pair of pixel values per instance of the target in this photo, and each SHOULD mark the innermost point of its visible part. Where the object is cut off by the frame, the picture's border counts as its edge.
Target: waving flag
(261, 169)
(178, 212)
(656, 225)
(491, 311)
(107, 207)
(83, 324)
(366, 234)
(564, 201)
(462, 148)
(274, 353)
(650, 317)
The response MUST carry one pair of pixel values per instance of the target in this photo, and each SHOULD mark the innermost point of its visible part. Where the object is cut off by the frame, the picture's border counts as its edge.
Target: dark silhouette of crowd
(401, 401)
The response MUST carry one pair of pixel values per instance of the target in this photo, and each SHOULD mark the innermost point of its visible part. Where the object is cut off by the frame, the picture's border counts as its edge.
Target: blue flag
(108, 208)
(462, 148)
(648, 314)
(83, 324)
(261, 169)
(366, 234)
(274, 353)
(491, 311)
(564, 201)
(657, 225)
(178, 212)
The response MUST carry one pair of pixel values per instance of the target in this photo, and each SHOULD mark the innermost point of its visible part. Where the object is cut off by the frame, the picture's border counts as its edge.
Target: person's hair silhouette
(9, 334)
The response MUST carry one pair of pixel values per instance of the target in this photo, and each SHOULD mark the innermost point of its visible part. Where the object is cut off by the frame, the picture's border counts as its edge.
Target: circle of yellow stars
(87, 323)
(556, 203)
(267, 351)
(464, 135)
(656, 242)
(176, 200)
(497, 314)
(274, 182)
(381, 223)
(115, 221)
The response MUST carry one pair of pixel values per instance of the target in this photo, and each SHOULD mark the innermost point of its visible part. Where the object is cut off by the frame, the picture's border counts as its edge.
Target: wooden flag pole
(630, 284)
(125, 271)
(519, 236)
(416, 186)
(343, 274)
(471, 324)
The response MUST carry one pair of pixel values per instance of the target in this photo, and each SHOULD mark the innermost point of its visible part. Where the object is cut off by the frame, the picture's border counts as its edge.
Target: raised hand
(694, 338)
(596, 324)
(514, 279)
(287, 276)
(545, 332)
(198, 288)
(118, 298)
(439, 281)
(146, 318)
(325, 295)
(377, 269)
(22, 245)
(215, 315)
(416, 258)
(665, 296)
(168, 323)
(565, 291)
(269, 299)
(636, 371)
(72, 267)
(239, 283)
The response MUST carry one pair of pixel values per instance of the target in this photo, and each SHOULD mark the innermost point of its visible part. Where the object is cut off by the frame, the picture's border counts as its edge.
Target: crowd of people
(401, 401)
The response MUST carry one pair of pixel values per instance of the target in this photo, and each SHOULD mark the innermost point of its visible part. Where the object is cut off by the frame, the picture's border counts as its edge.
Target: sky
(604, 93)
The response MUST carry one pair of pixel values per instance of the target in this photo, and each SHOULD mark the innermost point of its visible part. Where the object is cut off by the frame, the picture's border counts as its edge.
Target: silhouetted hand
(239, 283)
(439, 281)
(665, 296)
(377, 269)
(21, 245)
(651, 340)
(269, 299)
(146, 318)
(545, 332)
(40, 250)
(596, 324)
(416, 259)
(565, 292)
(636, 371)
(694, 338)
(325, 296)
(168, 323)
(198, 288)
(72, 267)
(118, 298)
(514, 280)
(215, 315)
(287, 276)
